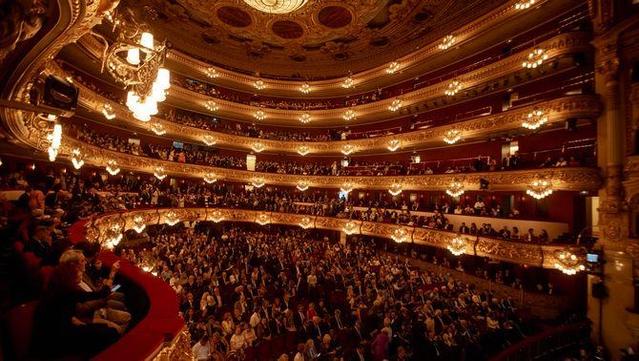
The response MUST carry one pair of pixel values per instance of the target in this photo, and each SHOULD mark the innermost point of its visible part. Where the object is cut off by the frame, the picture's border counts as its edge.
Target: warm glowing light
(347, 187)
(303, 150)
(259, 115)
(535, 58)
(210, 178)
(393, 145)
(535, 119)
(133, 56)
(305, 118)
(395, 105)
(217, 216)
(455, 189)
(113, 236)
(302, 186)
(453, 88)
(171, 218)
(393, 67)
(568, 262)
(107, 111)
(276, 6)
(399, 235)
(159, 172)
(259, 84)
(523, 5)
(258, 147)
(395, 189)
(212, 73)
(539, 188)
(55, 140)
(457, 246)
(349, 115)
(347, 149)
(138, 224)
(447, 42)
(158, 128)
(350, 228)
(305, 88)
(452, 136)
(263, 219)
(209, 140)
(306, 223)
(348, 83)
(77, 158)
(211, 106)
(146, 40)
(112, 167)
(258, 182)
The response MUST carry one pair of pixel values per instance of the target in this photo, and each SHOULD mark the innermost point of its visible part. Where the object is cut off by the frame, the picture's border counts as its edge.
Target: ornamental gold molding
(516, 252)
(179, 349)
(573, 106)
(558, 46)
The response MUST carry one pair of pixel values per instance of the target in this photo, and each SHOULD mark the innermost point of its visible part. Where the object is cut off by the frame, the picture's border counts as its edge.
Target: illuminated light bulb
(305, 118)
(302, 186)
(305, 88)
(393, 145)
(395, 189)
(350, 228)
(212, 73)
(346, 187)
(303, 150)
(399, 235)
(347, 149)
(262, 219)
(259, 85)
(348, 83)
(164, 78)
(146, 40)
(113, 236)
(211, 106)
(55, 139)
(349, 115)
(138, 224)
(453, 88)
(393, 67)
(157, 93)
(209, 140)
(306, 223)
(258, 147)
(523, 5)
(539, 189)
(133, 56)
(158, 129)
(107, 111)
(171, 218)
(447, 42)
(535, 119)
(567, 262)
(452, 136)
(159, 173)
(76, 158)
(258, 183)
(457, 246)
(112, 167)
(455, 189)
(217, 216)
(259, 115)
(535, 58)
(395, 105)
(210, 178)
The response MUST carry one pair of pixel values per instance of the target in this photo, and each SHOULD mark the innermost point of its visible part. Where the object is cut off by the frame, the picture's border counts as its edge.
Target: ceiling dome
(276, 6)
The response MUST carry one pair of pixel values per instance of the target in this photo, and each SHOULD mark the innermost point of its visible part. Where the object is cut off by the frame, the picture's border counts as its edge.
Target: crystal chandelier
(393, 67)
(348, 83)
(305, 88)
(347, 149)
(535, 58)
(209, 140)
(306, 223)
(262, 219)
(395, 189)
(138, 224)
(55, 140)
(217, 216)
(113, 235)
(258, 147)
(211, 73)
(302, 186)
(259, 85)
(539, 188)
(535, 119)
(159, 172)
(303, 150)
(210, 178)
(107, 111)
(568, 262)
(393, 145)
(350, 228)
(135, 60)
(395, 105)
(349, 115)
(452, 136)
(523, 5)
(399, 235)
(112, 167)
(455, 189)
(259, 115)
(158, 129)
(447, 42)
(346, 187)
(305, 118)
(276, 6)
(453, 88)
(77, 159)
(171, 218)
(457, 246)
(211, 106)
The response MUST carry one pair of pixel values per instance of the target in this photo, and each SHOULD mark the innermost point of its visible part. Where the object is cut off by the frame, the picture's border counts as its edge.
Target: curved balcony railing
(546, 256)
(557, 110)
(556, 47)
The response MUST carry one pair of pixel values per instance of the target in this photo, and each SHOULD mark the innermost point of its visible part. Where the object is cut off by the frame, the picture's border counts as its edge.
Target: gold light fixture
(138, 224)
(77, 158)
(217, 216)
(211, 106)
(158, 128)
(535, 58)
(457, 246)
(399, 235)
(259, 85)
(159, 172)
(452, 136)
(346, 187)
(447, 42)
(55, 140)
(453, 88)
(568, 262)
(455, 189)
(113, 236)
(112, 167)
(523, 5)
(535, 119)
(395, 105)
(303, 150)
(349, 115)
(348, 83)
(302, 186)
(347, 149)
(171, 218)
(263, 219)
(305, 88)
(306, 222)
(539, 189)
(276, 6)
(209, 140)
(395, 189)
(108, 112)
(393, 145)
(210, 178)
(258, 147)
(393, 67)
(260, 115)
(211, 73)
(305, 118)
(258, 182)
(350, 228)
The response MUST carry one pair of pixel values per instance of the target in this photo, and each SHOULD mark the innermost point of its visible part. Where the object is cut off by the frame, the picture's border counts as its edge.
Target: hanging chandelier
(158, 129)
(210, 178)
(455, 189)
(77, 159)
(305, 88)
(452, 136)
(211, 106)
(305, 118)
(535, 119)
(539, 188)
(303, 150)
(447, 42)
(393, 145)
(568, 262)
(260, 115)
(138, 224)
(348, 83)
(395, 105)
(453, 88)
(349, 115)
(276, 6)
(457, 246)
(535, 58)
(135, 60)
(399, 235)
(393, 67)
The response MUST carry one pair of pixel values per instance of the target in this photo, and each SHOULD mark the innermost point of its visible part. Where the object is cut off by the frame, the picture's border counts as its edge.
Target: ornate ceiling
(322, 39)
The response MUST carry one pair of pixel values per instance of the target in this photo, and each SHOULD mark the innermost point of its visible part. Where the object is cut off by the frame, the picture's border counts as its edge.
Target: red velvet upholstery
(20, 325)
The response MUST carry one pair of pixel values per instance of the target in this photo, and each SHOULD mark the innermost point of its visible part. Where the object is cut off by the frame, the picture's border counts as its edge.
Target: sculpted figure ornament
(20, 21)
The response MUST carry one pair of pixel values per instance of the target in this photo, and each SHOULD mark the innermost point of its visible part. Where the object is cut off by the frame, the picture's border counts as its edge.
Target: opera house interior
(319, 180)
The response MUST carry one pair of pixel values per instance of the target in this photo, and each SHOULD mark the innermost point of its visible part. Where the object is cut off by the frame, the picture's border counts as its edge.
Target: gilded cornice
(562, 44)
(573, 106)
(514, 252)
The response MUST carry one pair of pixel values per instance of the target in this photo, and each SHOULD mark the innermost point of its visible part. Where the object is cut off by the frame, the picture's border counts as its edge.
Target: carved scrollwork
(20, 21)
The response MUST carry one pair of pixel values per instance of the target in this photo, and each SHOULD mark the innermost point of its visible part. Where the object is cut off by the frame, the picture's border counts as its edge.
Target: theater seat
(20, 326)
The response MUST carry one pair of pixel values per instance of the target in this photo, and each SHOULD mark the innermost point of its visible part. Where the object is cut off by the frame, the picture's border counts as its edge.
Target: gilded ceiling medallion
(276, 6)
